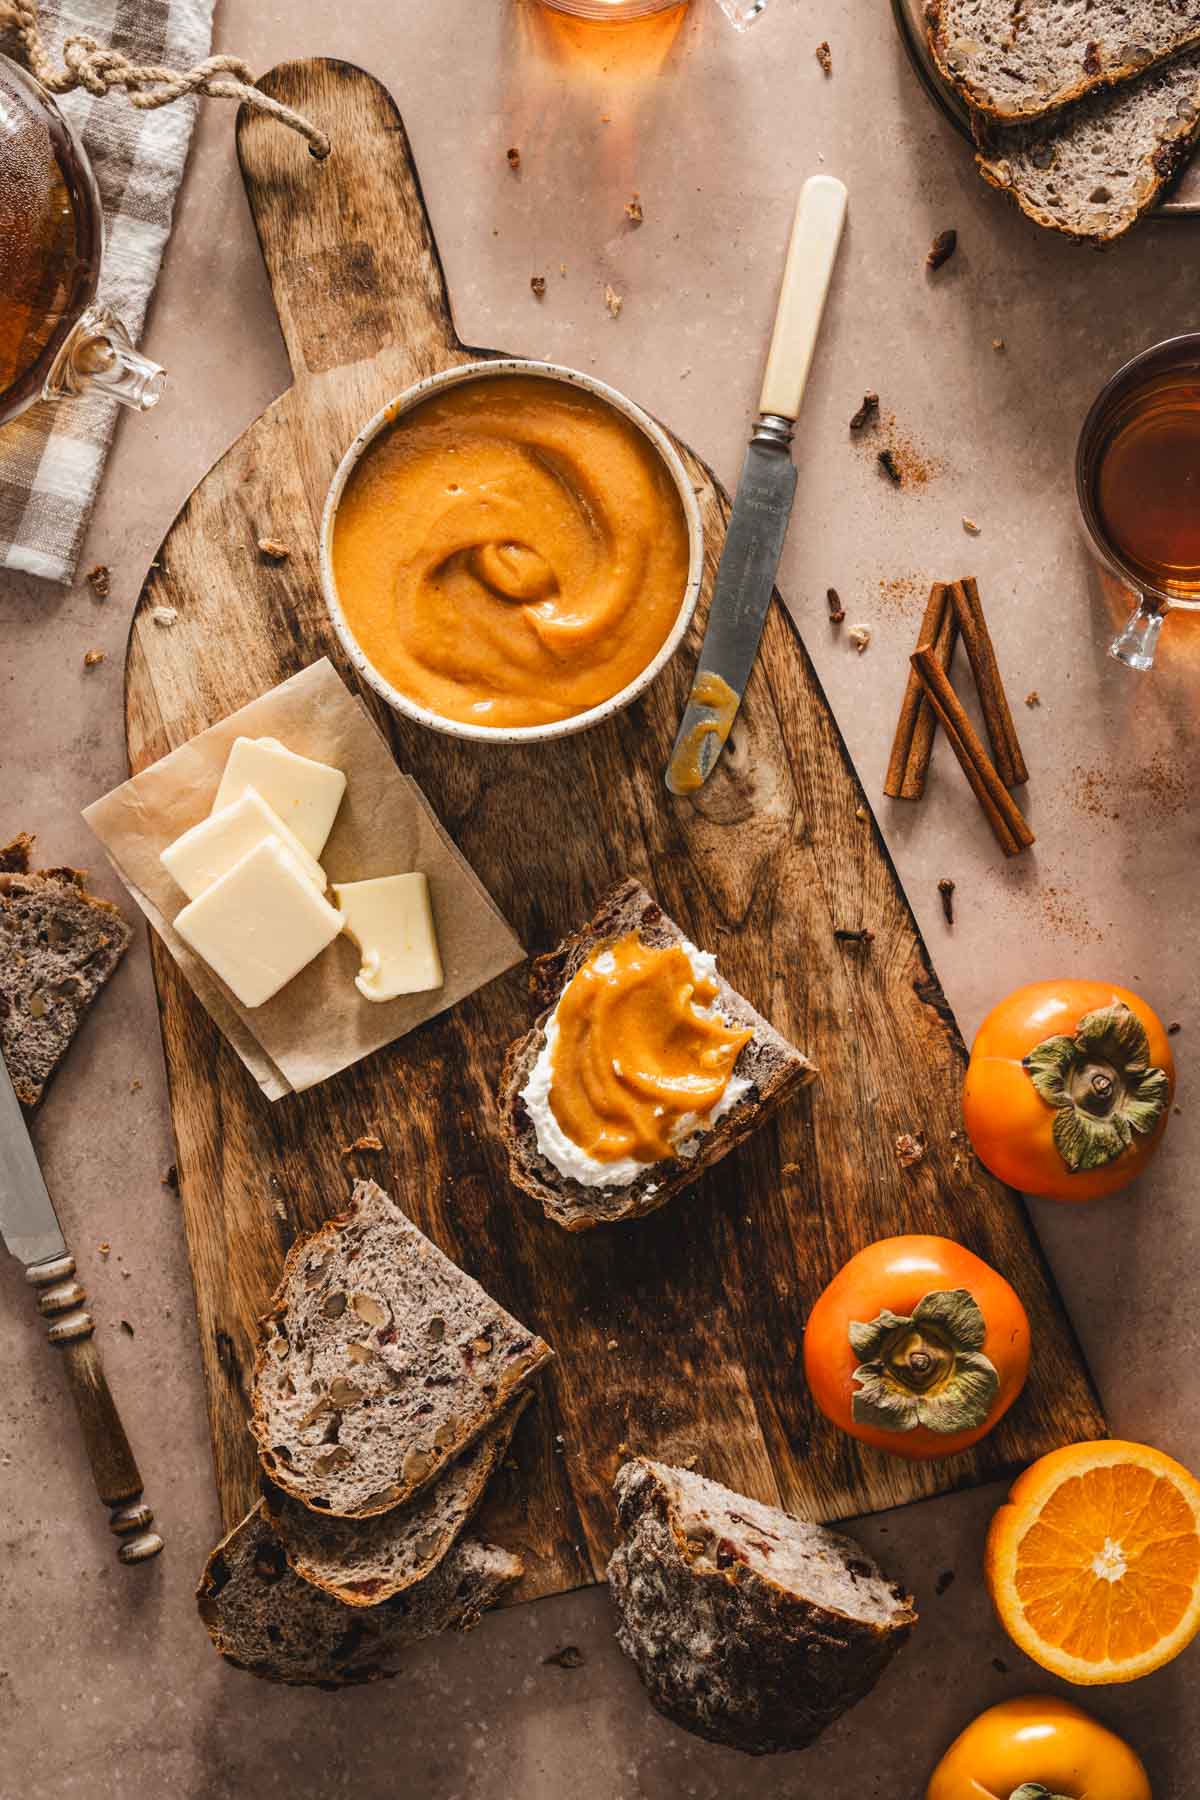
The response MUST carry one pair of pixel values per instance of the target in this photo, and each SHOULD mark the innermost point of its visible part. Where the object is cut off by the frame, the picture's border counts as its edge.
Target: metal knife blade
(28, 1223)
(745, 580)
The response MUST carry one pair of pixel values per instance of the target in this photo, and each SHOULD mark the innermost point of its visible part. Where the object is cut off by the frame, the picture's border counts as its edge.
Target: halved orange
(1093, 1565)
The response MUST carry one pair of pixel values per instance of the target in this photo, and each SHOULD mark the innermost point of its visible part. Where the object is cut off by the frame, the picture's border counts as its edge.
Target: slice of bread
(381, 1361)
(774, 1068)
(365, 1561)
(58, 946)
(1093, 170)
(748, 1627)
(263, 1618)
(1020, 62)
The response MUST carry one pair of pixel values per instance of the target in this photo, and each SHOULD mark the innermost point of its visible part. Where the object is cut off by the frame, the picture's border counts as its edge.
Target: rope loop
(87, 64)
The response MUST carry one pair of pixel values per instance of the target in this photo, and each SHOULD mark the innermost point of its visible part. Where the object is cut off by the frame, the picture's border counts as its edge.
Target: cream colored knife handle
(816, 234)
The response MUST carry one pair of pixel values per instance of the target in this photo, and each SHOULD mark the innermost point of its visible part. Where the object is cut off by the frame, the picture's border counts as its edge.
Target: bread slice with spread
(748, 1627)
(263, 1618)
(381, 1361)
(644, 1069)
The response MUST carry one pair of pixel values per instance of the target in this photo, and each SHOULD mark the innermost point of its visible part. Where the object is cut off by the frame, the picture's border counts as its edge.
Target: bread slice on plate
(1020, 62)
(748, 1627)
(381, 1361)
(767, 1072)
(1093, 170)
(263, 1618)
(365, 1561)
(58, 946)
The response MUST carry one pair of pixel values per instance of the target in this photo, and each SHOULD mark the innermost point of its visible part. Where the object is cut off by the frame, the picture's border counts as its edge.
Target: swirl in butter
(638, 1060)
(511, 552)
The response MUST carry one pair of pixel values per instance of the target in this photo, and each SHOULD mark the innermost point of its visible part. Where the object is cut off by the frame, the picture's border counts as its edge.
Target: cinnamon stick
(999, 808)
(912, 746)
(1006, 748)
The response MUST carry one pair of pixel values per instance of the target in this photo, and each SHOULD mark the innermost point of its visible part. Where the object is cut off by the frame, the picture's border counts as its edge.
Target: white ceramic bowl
(478, 371)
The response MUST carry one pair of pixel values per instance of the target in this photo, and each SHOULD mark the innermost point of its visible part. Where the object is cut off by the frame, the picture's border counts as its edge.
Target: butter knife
(763, 505)
(30, 1230)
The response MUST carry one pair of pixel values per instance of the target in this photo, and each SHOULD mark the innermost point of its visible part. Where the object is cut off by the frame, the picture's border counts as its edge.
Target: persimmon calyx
(1101, 1085)
(924, 1369)
(1034, 1790)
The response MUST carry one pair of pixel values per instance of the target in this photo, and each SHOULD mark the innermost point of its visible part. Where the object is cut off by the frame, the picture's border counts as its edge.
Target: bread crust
(777, 1067)
(1089, 81)
(728, 1653)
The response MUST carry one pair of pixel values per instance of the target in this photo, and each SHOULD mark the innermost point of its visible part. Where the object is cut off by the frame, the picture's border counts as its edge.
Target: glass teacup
(55, 341)
(1137, 472)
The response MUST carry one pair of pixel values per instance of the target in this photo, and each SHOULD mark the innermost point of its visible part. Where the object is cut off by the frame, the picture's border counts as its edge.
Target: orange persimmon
(916, 1346)
(1069, 1088)
(1042, 1743)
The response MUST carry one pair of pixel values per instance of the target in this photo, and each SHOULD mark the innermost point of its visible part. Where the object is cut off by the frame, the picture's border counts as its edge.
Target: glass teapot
(55, 340)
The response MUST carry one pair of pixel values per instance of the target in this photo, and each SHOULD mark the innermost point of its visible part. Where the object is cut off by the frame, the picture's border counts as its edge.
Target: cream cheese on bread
(573, 1162)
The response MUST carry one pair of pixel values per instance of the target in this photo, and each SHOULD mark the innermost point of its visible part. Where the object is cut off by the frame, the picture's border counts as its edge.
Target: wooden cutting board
(679, 1335)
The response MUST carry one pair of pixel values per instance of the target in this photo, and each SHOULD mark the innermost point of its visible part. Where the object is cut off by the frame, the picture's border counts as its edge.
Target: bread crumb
(1033, 698)
(824, 56)
(942, 249)
(105, 1248)
(613, 300)
(971, 527)
(100, 581)
(611, 1344)
(859, 636)
(569, 1657)
(910, 1148)
(514, 157)
(368, 1141)
(999, 344)
(273, 549)
(135, 1084)
(790, 1168)
(633, 209)
(163, 615)
(92, 657)
(1173, 1027)
(860, 813)
(537, 286)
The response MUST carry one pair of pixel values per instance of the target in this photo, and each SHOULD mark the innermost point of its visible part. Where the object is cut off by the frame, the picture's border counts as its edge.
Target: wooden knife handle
(70, 1327)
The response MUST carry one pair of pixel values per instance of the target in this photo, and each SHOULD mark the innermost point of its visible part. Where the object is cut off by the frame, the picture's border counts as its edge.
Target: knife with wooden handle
(761, 510)
(30, 1229)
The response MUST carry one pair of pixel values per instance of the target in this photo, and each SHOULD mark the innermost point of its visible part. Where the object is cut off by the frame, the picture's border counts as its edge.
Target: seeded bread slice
(1095, 169)
(775, 1068)
(381, 1362)
(1020, 61)
(263, 1618)
(365, 1561)
(748, 1627)
(58, 946)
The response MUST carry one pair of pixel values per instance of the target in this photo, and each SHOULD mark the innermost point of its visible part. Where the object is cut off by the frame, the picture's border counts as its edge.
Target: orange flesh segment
(1127, 1519)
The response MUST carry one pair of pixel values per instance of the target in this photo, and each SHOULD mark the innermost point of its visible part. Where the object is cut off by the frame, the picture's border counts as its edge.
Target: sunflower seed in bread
(263, 1618)
(768, 1070)
(381, 1361)
(748, 1627)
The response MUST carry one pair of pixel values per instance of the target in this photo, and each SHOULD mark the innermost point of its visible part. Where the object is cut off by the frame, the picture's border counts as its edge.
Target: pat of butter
(210, 849)
(260, 923)
(305, 794)
(391, 922)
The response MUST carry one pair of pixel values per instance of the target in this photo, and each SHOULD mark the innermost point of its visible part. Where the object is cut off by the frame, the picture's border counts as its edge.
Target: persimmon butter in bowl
(511, 551)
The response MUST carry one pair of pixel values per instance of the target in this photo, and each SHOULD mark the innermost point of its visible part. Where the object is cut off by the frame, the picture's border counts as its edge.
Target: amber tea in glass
(54, 339)
(1138, 471)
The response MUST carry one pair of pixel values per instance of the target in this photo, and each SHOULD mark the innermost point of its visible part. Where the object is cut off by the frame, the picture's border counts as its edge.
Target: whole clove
(868, 411)
(514, 157)
(891, 468)
(837, 611)
(942, 249)
(946, 890)
(537, 285)
(850, 934)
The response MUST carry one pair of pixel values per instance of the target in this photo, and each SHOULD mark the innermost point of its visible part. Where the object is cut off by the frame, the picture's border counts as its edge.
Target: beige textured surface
(109, 1688)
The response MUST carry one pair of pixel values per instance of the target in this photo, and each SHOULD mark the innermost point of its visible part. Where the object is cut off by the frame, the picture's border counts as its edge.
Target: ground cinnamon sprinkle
(909, 465)
(1157, 786)
(903, 595)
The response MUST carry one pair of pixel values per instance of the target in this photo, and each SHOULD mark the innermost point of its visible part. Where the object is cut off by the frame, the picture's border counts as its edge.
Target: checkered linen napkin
(52, 457)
